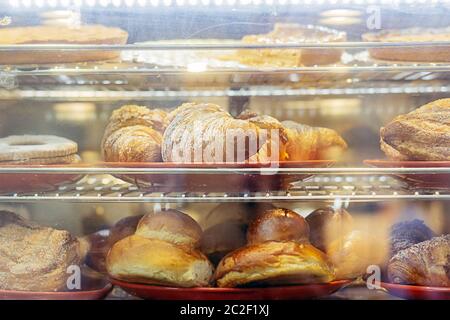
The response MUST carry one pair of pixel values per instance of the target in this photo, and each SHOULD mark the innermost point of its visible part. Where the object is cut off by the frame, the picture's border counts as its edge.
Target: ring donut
(37, 149)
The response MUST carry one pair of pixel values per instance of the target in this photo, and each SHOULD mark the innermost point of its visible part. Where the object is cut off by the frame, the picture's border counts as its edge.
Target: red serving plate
(233, 181)
(417, 292)
(36, 182)
(422, 180)
(295, 292)
(97, 291)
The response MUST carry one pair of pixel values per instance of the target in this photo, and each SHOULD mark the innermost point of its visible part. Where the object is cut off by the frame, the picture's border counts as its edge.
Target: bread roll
(157, 262)
(134, 134)
(408, 233)
(326, 225)
(171, 226)
(274, 263)
(279, 225)
(422, 134)
(35, 258)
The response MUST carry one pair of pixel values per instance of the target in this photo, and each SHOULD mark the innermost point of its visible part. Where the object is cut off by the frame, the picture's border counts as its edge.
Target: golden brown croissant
(312, 143)
(204, 132)
(134, 134)
(423, 134)
(426, 263)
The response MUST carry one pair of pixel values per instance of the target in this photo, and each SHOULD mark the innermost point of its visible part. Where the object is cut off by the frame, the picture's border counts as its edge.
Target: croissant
(426, 264)
(423, 134)
(299, 142)
(205, 132)
(134, 134)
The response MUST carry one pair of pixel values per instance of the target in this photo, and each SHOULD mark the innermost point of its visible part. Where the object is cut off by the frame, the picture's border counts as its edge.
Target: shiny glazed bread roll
(278, 224)
(274, 263)
(157, 262)
(171, 226)
(134, 134)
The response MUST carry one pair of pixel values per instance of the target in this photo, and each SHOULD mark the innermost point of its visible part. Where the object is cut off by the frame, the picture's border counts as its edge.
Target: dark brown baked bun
(279, 225)
(326, 225)
(274, 263)
(172, 226)
(222, 238)
(158, 262)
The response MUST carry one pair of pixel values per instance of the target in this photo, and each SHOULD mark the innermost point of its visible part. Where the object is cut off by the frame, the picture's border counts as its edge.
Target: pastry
(86, 34)
(423, 134)
(101, 242)
(161, 252)
(278, 225)
(171, 226)
(34, 258)
(274, 263)
(328, 224)
(353, 252)
(287, 33)
(426, 264)
(134, 134)
(206, 133)
(312, 143)
(37, 149)
(405, 234)
(220, 239)
(411, 53)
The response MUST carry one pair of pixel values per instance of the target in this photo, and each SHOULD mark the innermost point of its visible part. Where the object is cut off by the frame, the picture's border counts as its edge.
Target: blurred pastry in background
(100, 242)
(82, 34)
(35, 258)
(37, 150)
(222, 238)
(290, 33)
(407, 233)
(410, 53)
(352, 253)
(277, 254)
(426, 264)
(422, 134)
(163, 251)
(328, 224)
(134, 134)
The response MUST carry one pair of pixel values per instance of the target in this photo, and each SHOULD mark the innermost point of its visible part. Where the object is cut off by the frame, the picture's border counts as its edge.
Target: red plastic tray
(417, 292)
(422, 180)
(36, 182)
(295, 292)
(233, 181)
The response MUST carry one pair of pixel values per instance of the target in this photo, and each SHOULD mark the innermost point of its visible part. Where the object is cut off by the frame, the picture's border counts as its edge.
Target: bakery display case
(224, 150)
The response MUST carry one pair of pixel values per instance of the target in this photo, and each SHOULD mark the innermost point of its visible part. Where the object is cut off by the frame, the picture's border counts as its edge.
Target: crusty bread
(86, 34)
(157, 262)
(171, 226)
(278, 224)
(274, 263)
(34, 258)
(423, 134)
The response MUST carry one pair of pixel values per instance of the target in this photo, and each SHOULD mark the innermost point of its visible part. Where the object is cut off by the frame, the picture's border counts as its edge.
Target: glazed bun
(219, 240)
(157, 262)
(278, 225)
(172, 226)
(274, 263)
(327, 224)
